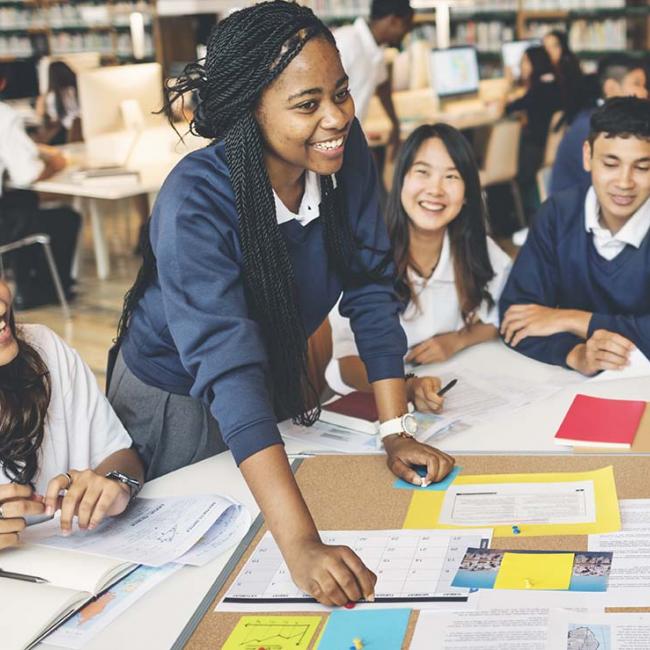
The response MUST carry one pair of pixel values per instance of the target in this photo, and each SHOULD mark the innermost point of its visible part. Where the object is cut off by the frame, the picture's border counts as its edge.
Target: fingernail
(65, 532)
(49, 511)
(370, 598)
(92, 526)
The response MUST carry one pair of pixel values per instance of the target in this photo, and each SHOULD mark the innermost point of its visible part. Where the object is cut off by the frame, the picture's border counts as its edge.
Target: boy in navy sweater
(579, 292)
(619, 75)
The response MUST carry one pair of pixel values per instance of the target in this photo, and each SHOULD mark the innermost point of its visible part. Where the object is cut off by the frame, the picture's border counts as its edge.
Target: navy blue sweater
(568, 170)
(560, 267)
(192, 333)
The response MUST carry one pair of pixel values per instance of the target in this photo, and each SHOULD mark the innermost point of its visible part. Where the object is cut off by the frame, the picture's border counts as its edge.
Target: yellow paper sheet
(424, 509)
(277, 632)
(535, 571)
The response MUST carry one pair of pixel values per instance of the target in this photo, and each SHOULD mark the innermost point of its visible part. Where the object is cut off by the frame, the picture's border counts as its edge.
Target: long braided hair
(247, 52)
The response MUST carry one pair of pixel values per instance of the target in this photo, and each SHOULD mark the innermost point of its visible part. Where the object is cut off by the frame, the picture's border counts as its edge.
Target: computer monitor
(102, 94)
(76, 61)
(454, 72)
(511, 54)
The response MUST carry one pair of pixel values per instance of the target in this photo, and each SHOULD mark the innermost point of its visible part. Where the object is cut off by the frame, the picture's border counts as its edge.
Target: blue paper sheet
(381, 629)
(422, 471)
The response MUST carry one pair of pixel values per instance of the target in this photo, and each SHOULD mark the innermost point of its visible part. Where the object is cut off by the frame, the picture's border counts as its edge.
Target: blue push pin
(516, 530)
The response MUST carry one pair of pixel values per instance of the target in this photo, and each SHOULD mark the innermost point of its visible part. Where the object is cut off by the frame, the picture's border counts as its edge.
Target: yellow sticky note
(535, 571)
(276, 632)
(424, 509)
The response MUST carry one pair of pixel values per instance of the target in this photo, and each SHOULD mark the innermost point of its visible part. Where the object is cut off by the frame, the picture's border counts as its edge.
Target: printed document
(492, 629)
(151, 532)
(629, 579)
(493, 504)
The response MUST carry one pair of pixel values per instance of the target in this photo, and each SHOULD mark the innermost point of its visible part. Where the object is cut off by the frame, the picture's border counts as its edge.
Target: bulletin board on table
(346, 492)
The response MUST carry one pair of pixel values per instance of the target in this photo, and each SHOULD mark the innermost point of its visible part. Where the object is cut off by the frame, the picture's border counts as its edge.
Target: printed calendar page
(412, 566)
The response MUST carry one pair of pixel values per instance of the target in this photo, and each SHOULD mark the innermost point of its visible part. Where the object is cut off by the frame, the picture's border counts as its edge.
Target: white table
(157, 619)
(529, 429)
(153, 155)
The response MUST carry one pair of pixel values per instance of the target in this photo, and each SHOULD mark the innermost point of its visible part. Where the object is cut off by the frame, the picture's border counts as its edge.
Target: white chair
(44, 241)
(501, 161)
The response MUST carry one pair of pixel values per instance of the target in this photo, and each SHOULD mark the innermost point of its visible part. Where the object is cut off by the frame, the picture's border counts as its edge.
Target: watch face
(410, 424)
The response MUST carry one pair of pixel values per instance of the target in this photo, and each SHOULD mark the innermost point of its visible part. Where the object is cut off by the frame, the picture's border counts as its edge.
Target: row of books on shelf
(607, 34)
(22, 46)
(70, 15)
(485, 36)
(554, 5)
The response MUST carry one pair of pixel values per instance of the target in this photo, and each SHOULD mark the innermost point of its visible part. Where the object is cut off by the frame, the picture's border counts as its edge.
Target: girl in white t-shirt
(450, 274)
(57, 433)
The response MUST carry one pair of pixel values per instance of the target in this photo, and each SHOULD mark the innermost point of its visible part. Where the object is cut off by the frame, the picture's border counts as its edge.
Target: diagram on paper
(588, 637)
(272, 633)
(411, 566)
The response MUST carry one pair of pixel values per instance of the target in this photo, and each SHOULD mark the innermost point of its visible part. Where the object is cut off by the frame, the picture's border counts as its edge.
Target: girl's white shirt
(437, 312)
(81, 428)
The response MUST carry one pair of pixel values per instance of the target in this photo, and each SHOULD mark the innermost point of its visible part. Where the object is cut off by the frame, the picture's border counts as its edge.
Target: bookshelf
(33, 28)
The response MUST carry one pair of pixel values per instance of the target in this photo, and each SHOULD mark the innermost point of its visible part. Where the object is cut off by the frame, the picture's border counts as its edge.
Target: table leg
(99, 241)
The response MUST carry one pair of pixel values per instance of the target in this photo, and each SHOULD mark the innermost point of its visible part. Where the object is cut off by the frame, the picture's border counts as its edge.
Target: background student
(57, 432)
(568, 74)
(361, 46)
(59, 107)
(619, 75)
(20, 215)
(578, 292)
(449, 272)
(540, 101)
(251, 242)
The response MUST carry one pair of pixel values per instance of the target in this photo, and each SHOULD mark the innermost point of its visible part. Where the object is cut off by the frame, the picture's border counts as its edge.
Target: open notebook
(73, 580)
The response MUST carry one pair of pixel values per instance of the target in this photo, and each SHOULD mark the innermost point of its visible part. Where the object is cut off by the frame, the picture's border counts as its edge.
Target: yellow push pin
(528, 583)
(358, 644)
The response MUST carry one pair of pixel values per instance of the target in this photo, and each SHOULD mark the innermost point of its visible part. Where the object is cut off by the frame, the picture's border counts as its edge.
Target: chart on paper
(411, 566)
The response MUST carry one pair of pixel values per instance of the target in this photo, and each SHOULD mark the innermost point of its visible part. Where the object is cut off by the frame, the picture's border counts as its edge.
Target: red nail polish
(350, 605)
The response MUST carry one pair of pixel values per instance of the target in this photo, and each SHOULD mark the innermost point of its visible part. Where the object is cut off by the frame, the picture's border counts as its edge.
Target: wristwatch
(405, 426)
(133, 484)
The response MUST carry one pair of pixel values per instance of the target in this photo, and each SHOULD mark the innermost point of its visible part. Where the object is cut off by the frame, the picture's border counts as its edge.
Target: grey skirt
(168, 430)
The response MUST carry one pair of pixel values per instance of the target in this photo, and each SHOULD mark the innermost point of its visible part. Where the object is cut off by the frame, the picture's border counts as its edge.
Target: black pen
(447, 388)
(21, 576)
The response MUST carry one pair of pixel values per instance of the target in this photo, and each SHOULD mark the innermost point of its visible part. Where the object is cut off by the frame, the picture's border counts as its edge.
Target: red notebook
(599, 422)
(356, 411)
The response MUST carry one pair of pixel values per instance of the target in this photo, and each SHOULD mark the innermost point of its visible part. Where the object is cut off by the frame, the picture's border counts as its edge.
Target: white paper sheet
(151, 532)
(412, 566)
(479, 396)
(639, 367)
(225, 533)
(87, 623)
(495, 504)
(495, 629)
(569, 630)
(629, 579)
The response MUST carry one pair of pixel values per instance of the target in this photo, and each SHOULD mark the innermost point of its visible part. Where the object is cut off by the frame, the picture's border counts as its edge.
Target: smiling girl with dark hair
(449, 273)
(251, 242)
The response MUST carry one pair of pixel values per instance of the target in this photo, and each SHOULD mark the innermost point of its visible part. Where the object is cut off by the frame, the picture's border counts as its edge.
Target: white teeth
(330, 144)
(3, 324)
(436, 207)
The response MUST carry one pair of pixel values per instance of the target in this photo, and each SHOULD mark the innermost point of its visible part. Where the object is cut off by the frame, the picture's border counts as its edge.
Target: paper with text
(151, 532)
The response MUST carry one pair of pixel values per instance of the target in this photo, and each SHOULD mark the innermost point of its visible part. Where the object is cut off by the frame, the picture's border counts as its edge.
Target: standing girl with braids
(250, 244)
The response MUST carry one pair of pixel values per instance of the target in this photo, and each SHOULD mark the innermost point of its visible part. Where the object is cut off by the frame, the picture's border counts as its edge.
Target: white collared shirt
(19, 155)
(363, 61)
(438, 310)
(309, 205)
(632, 233)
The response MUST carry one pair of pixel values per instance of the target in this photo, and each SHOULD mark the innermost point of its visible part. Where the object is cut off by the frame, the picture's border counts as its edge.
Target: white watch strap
(390, 427)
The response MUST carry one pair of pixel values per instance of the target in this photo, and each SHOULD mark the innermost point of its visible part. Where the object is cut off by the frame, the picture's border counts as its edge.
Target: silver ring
(67, 475)
(2, 514)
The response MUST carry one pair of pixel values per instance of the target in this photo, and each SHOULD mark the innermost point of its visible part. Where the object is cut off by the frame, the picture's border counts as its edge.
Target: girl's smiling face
(8, 343)
(433, 191)
(306, 113)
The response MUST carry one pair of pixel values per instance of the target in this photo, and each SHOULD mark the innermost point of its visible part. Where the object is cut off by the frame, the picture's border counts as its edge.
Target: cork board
(355, 492)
